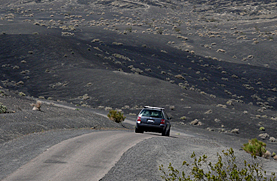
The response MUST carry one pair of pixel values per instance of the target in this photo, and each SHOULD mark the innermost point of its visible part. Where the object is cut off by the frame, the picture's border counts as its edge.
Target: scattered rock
(275, 157)
(272, 139)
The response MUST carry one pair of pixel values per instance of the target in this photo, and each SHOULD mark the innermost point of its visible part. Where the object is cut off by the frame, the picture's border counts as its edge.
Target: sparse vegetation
(116, 116)
(255, 147)
(262, 129)
(204, 47)
(3, 109)
(226, 168)
(37, 106)
(21, 94)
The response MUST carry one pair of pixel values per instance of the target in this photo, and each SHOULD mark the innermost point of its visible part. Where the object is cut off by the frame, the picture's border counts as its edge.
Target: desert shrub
(177, 30)
(3, 109)
(37, 106)
(116, 116)
(225, 168)
(255, 147)
(262, 129)
(21, 94)
(129, 29)
(2, 93)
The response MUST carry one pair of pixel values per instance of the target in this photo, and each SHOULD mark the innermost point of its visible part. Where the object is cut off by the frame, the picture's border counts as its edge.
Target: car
(153, 119)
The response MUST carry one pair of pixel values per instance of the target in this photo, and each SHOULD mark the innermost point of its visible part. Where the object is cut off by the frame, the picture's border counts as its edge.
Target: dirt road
(87, 157)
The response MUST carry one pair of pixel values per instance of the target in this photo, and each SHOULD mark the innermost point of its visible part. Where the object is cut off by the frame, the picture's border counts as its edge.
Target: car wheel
(138, 130)
(168, 132)
(164, 133)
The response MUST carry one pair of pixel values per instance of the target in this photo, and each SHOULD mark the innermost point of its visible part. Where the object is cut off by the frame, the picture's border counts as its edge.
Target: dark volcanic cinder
(209, 61)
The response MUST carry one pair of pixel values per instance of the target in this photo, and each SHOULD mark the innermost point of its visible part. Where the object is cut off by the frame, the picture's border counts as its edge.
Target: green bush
(255, 147)
(262, 129)
(224, 169)
(3, 109)
(116, 116)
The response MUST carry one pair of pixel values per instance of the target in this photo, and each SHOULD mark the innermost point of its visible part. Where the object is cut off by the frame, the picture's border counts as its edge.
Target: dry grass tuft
(37, 106)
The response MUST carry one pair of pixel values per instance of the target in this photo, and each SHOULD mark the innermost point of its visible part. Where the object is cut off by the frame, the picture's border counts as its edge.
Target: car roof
(154, 108)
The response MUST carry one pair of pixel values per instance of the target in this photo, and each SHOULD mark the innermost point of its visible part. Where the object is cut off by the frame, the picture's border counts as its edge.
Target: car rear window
(151, 113)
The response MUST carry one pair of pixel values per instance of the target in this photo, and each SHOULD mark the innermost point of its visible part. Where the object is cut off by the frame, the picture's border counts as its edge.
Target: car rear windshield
(151, 113)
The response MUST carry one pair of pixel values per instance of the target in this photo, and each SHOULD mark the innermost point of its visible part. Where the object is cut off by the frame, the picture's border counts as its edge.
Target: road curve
(86, 157)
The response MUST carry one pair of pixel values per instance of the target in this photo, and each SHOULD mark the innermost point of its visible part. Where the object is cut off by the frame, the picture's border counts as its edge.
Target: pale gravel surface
(18, 152)
(142, 161)
(138, 163)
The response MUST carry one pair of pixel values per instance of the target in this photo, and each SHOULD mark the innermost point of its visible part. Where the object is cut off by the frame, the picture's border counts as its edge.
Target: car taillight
(162, 121)
(138, 120)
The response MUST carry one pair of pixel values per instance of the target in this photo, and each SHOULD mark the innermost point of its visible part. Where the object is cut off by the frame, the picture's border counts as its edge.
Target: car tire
(164, 133)
(168, 132)
(138, 130)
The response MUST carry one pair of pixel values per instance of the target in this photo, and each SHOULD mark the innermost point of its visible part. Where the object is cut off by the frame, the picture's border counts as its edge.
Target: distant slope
(205, 60)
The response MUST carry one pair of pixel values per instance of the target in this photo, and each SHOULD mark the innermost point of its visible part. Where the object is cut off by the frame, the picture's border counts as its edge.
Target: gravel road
(86, 157)
(20, 151)
(140, 162)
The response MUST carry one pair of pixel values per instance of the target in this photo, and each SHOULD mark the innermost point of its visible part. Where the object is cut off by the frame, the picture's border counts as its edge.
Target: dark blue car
(153, 119)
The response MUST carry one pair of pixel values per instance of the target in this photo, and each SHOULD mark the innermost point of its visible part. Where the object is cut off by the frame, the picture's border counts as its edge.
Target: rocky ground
(211, 64)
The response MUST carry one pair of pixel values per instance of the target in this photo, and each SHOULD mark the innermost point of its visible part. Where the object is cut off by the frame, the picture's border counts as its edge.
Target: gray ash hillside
(206, 60)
